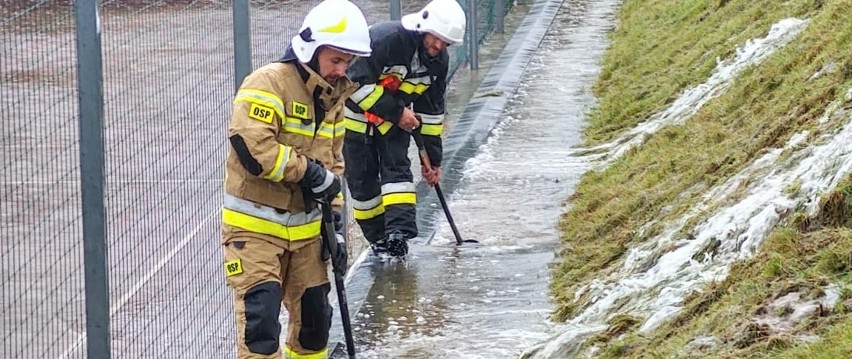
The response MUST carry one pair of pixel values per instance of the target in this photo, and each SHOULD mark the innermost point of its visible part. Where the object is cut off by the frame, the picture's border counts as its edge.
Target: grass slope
(660, 48)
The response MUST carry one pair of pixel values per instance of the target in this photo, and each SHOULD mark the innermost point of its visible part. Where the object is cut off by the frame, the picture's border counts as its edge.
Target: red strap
(390, 83)
(373, 118)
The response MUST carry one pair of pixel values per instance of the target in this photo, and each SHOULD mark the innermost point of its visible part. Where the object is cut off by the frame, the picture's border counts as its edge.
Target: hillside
(779, 291)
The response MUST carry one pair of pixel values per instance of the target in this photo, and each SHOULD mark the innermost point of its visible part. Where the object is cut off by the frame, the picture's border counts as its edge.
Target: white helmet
(442, 18)
(336, 23)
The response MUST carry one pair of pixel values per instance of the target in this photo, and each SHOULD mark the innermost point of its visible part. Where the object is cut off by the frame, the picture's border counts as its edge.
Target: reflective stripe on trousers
(378, 172)
(290, 354)
(370, 208)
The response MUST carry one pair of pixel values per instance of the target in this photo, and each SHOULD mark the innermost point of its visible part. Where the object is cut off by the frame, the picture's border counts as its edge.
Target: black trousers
(378, 173)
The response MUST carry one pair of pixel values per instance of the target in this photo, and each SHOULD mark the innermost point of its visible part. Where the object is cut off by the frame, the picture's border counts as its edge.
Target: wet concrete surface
(492, 300)
(470, 302)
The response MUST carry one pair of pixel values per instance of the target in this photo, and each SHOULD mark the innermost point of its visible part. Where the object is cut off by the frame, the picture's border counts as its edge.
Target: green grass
(790, 261)
(659, 49)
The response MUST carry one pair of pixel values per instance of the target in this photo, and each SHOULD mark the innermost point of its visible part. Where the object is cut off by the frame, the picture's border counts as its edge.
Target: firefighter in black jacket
(408, 67)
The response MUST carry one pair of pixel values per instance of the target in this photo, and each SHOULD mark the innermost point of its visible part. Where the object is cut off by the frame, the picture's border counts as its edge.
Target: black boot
(380, 247)
(397, 245)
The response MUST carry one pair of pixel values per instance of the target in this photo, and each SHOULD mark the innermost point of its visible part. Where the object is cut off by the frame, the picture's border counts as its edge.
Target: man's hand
(432, 176)
(323, 184)
(341, 261)
(408, 121)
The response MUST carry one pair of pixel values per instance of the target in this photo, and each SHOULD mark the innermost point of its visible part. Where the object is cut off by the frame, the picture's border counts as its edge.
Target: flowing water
(492, 300)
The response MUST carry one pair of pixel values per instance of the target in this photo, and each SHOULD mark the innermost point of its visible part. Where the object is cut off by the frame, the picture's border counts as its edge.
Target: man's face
(433, 44)
(333, 64)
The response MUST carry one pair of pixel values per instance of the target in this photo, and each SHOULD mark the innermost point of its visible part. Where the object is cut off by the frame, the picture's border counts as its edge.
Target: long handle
(331, 243)
(449, 216)
(424, 160)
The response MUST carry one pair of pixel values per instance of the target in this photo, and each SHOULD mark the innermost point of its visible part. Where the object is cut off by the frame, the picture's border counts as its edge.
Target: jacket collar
(323, 92)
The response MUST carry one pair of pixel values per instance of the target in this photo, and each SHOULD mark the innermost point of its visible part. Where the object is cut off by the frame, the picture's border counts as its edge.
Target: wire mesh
(168, 85)
(39, 188)
(168, 77)
(274, 23)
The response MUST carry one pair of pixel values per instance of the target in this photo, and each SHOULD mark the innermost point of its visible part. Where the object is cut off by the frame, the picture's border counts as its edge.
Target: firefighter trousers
(378, 173)
(263, 274)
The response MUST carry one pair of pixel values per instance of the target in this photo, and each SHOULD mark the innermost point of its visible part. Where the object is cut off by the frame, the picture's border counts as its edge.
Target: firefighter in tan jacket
(286, 138)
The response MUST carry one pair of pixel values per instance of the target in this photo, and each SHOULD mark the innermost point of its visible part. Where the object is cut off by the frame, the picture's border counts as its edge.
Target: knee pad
(316, 318)
(263, 304)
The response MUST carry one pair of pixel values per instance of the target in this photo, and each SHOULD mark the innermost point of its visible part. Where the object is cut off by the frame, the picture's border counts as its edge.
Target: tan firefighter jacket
(273, 132)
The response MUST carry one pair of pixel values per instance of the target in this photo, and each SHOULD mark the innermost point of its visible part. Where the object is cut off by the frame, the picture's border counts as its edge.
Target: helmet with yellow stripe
(336, 23)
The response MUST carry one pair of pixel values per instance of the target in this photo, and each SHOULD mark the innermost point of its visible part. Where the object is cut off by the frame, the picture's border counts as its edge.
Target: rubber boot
(397, 245)
(380, 247)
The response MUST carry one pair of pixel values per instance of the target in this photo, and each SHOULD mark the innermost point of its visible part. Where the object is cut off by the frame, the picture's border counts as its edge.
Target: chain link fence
(168, 77)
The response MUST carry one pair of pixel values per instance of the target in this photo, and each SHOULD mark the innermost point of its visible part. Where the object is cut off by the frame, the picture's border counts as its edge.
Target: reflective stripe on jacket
(418, 80)
(284, 113)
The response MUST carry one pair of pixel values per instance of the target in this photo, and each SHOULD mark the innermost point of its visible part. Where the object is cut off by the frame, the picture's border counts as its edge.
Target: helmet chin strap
(314, 63)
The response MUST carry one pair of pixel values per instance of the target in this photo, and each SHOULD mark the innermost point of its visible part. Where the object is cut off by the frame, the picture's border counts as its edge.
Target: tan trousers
(263, 272)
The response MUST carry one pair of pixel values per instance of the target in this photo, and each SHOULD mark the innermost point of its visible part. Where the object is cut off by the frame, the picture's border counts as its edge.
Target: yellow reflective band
(277, 173)
(339, 129)
(411, 88)
(259, 225)
(399, 198)
(371, 99)
(354, 125)
(262, 98)
(369, 213)
(290, 354)
(431, 130)
(385, 127)
(295, 125)
(326, 130)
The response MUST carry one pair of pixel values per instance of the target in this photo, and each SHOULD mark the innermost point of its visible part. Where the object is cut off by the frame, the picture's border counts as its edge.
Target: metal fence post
(395, 10)
(91, 120)
(499, 14)
(473, 22)
(242, 41)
